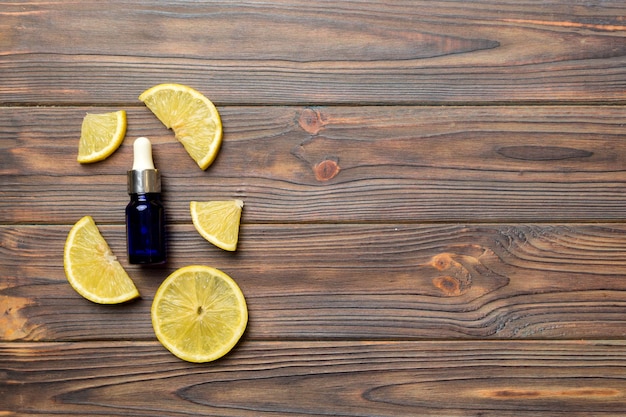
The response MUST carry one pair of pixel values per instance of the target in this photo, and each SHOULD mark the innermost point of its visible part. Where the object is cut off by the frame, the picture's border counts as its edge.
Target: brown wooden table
(435, 195)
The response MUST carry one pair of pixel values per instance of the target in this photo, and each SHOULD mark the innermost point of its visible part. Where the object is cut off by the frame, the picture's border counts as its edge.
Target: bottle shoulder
(145, 197)
(144, 202)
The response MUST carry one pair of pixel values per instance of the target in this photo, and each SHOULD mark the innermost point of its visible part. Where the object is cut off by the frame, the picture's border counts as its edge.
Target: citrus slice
(92, 269)
(193, 118)
(100, 136)
(218, 221)
(199, 313)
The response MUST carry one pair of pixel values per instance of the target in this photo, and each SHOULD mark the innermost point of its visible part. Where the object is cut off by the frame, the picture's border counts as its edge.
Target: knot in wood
(448, 285)
(442, 261)
(457, 279)
(326, 170)
(312, 121)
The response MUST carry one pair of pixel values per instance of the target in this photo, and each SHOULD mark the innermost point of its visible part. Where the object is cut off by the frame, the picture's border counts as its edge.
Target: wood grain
(434, 220)
(349, 281)
(451, 378)
(292, 52)
(354, 164)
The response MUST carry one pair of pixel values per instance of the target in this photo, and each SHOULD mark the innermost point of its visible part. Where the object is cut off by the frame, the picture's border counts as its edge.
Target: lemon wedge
(218, 221)
(92, 269)
(193, 118)
(101, 135)
(199, 313)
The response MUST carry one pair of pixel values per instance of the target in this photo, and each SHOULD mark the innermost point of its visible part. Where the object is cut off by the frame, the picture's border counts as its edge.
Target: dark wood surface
(435, 195)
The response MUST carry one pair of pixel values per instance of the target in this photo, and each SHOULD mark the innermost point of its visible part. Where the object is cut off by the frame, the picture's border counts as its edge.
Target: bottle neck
(144, 181)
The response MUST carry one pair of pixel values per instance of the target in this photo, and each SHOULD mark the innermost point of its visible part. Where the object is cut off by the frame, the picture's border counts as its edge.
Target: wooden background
(435, 196)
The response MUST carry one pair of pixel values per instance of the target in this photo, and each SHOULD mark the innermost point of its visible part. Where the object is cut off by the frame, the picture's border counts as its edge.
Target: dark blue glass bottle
(145, 229)
(145, 215)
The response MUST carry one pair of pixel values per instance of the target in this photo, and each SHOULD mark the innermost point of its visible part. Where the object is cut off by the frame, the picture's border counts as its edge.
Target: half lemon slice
(92, 269)
(193, 118)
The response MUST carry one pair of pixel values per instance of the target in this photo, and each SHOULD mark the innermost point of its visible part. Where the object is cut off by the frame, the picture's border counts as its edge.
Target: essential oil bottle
(145, 215)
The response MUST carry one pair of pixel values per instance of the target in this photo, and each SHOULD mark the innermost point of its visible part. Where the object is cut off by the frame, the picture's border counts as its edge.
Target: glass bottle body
(145, 229)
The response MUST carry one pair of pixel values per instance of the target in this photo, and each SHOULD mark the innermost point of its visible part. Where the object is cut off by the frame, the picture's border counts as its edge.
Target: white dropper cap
(143, 178)
(142, 149)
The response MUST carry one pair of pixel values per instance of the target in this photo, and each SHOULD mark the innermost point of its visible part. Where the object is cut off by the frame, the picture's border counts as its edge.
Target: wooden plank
(451, 378)
(289, 52)
(328, 164)
(359, 281)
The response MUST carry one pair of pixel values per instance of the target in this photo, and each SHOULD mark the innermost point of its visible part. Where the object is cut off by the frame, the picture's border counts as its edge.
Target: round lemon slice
(199, 313)
(100, 136)
(92, 269)
(193, 118)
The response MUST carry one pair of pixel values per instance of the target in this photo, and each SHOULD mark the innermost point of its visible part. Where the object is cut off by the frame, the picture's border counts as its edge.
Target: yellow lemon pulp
(193, 118)
(92, 269)
(199, 313)
(218, 221)
(101, 135)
